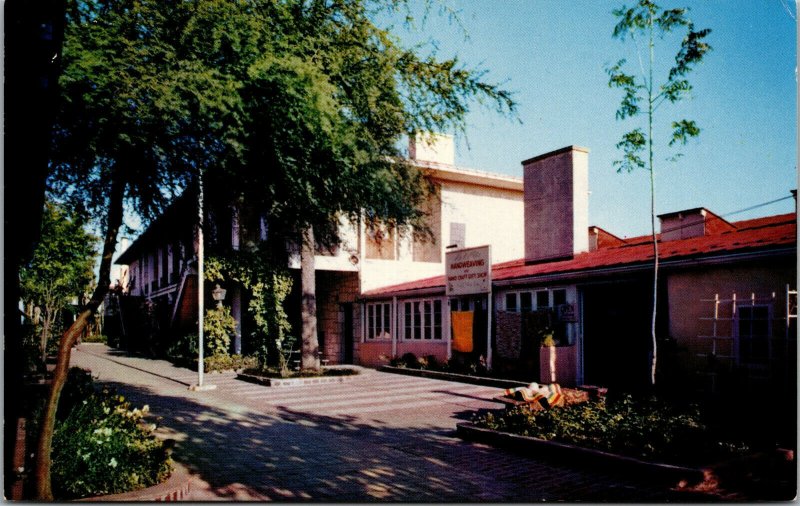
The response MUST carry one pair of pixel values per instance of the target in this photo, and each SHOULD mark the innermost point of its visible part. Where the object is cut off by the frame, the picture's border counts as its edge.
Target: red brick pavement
(379, 437)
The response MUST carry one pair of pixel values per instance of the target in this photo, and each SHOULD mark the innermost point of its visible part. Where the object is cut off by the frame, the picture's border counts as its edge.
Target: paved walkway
(377, 437)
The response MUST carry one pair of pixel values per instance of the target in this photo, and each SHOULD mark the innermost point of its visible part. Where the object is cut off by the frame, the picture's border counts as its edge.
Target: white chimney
(556, 204)
(438, 148)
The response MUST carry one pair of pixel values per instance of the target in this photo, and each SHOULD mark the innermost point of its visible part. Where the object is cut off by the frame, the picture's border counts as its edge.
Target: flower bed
(638, 428)
(101, 445)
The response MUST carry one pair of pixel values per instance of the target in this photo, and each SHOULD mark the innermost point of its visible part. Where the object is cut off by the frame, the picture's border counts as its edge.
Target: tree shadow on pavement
(239, 454)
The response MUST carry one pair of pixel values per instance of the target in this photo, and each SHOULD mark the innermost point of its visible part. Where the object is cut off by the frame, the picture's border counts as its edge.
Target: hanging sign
(468, 271)
(567, 313)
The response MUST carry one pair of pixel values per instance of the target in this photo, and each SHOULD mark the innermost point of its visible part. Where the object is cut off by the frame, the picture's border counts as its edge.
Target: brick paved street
(377, 437)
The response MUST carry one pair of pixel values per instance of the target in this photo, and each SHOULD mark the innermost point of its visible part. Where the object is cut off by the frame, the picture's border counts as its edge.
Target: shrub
(219, 325)
(219, 363)
(95, 338)
(644, 428)
(104, 447)
(411, 361)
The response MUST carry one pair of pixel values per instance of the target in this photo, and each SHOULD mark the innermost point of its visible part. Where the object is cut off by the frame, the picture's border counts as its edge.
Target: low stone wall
(293, 382)
(177, 488)
(561, 452)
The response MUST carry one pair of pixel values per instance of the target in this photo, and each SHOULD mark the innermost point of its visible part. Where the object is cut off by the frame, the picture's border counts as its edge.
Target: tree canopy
(62, 266)
(294, 106)
(646, 23)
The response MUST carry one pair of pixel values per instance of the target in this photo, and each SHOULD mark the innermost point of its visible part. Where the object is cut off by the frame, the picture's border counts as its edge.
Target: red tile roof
(749, 236)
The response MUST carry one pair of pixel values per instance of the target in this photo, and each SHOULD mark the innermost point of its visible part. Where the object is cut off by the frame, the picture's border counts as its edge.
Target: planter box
(571, 455)
(293, 382)
(176, 488)
(449, 376)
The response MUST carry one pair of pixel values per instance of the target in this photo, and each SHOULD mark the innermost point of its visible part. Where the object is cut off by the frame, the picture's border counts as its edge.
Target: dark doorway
(616, 334)
(347, 333)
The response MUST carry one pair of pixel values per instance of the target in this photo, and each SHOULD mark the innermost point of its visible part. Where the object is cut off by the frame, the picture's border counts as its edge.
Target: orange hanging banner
(462, 330)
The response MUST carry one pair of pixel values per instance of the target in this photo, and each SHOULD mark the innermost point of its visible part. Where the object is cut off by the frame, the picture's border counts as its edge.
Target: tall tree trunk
(45, 336)
(44, 490)
(650, 112)
(309, 358)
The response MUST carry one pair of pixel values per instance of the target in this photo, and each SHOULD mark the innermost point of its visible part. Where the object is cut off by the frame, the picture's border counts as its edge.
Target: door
(347, 333)
(616, 333)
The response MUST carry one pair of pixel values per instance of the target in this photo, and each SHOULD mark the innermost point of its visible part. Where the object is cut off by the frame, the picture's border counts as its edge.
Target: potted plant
(549, 350)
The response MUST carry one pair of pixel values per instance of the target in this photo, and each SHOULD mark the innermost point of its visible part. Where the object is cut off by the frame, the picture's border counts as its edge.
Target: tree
(134, 123)
(294, 106)
(643, 96)
(326, 95)
(61, 268)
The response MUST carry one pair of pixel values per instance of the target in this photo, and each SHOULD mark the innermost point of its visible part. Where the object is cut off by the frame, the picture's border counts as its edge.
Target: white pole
(489, 330)
(446, 319)
(200, 294)
(200, 283)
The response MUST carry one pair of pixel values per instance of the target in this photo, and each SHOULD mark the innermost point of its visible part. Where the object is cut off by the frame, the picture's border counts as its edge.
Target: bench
(295, 359)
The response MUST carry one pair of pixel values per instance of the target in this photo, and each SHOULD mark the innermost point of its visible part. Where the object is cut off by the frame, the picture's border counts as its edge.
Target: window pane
(428, 322)
(526, 301)
(559, 297)
(437, 319)
(407, 312)
(542, 299)
(387, 319)
(511, 302)
(454, 304)
(417, 320)
(370, 321)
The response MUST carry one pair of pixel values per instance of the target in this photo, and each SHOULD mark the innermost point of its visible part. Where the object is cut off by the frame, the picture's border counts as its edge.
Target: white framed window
(422, 319)
(379, 321)
(753, 329)
(534, 300)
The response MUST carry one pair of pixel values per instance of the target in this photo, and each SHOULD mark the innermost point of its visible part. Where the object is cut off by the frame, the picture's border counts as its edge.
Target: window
(511, 302)
(379, 320)
(526, 301)
(422, 319)
(542, 299)
(535, 300)
(753, 327)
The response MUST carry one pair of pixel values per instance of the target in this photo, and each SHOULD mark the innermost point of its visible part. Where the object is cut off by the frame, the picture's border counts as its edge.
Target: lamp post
(218, 294)
(200, 291)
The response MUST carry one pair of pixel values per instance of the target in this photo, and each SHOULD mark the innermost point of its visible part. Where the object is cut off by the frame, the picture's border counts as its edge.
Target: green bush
(103, 446)
(218, 326)
(643, 428)
(183, 350)
(95, 338)
(219, 363)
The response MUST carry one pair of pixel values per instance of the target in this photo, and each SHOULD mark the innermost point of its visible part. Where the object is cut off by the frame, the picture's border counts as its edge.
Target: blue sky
(552, 55)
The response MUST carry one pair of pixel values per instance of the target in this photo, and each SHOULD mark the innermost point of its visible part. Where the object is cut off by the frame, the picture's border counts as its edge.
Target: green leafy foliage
(103, 446)
(61, 268)
(643, 96)
(642, 428)
(218, 326)
(268, 285)
(222, 363)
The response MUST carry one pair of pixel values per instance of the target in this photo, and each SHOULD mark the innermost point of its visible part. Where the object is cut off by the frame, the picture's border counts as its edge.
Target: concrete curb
(176, 488)
(449, 376)
(293, 382)
(569, 454)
